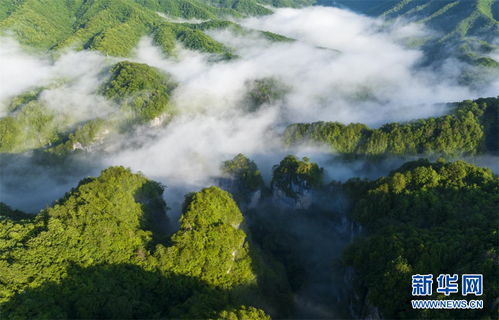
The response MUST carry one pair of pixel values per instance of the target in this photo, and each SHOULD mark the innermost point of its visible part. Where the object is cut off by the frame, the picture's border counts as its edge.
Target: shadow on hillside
(155, 218)
(120, 291)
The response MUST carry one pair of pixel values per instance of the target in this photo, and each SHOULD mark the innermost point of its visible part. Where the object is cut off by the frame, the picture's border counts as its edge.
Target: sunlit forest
(249, 159)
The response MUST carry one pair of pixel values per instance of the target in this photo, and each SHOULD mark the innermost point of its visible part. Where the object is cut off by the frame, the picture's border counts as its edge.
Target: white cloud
(70, 81)
(343, 67)
(373, 79)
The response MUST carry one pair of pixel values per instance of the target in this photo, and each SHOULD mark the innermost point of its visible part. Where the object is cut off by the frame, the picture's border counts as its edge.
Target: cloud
(342, 67)
(19, 71)
(70, 80)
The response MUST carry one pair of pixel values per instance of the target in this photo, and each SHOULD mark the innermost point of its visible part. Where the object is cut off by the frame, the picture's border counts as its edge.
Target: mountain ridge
(115, 27)
(469, 27)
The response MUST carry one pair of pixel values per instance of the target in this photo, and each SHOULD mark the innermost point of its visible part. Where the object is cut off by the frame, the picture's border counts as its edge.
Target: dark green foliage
(189, 9)
(238, 29)
(248, 7)
(140, 89)
(274, 37)
(165, 38)
(215, 24)
(486, 111)
(21, 100)
(197, 40)
(211, 206)
(90, 255)
(292, 175)
(191, 36)
(123, 291)
(85, 137)
(291, 3)
(7, 212)
(426, 218)
(30, 125)
(471, 128)
(452, 18)
(111, 26)
(245, 170)
(242, 177)
(142, 92)
(103, 203)
(35, 21)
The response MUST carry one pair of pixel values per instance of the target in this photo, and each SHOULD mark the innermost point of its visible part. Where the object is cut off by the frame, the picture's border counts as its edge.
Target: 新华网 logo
(471, 284)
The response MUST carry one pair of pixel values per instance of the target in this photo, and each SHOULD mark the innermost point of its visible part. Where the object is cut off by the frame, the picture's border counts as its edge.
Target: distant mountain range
(470, 26)
(466, 28)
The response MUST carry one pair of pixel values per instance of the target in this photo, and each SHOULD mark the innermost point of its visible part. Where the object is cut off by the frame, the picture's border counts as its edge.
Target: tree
(293, 176)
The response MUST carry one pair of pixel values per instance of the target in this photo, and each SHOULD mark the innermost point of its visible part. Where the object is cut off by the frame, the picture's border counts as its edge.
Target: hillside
(421, 218)
(103, 250)
(471, 128)
(114, 27)
(458, 17)
(100, 252)
(470, 25)
(237, 160)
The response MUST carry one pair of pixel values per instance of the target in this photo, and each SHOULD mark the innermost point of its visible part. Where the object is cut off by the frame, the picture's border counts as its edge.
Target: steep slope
(463, 17)
(242, 179)
(423, 218)
(99, 253)
(112, 27)
(115, 26)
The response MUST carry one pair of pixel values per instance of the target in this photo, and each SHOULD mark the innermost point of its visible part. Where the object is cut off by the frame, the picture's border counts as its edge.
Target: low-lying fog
(342, 67)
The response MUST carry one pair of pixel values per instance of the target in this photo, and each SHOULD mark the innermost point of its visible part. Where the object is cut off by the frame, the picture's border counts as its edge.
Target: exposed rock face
(255, 199)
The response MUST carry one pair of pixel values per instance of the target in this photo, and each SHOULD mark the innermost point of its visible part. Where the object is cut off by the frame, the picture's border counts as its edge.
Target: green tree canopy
(471, 128)
(242, 177)
(425, 218)
(292, 174)
(95, 254)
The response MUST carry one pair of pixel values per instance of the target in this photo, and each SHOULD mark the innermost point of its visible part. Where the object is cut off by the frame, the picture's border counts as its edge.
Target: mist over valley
(247, 160)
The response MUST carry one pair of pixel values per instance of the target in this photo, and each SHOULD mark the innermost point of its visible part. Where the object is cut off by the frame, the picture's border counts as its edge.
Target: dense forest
(246, 159)
(423, 218)
(115, 27)
(101, 251)
(470, 128)
(103, 256)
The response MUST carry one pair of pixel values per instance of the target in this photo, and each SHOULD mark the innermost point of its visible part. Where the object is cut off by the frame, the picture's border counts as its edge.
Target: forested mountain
(461, 18)
(99, 253)
(142, 93)
(422, 218)
(469, 26)
(244, 173)
(114, 27)
(471, 128)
